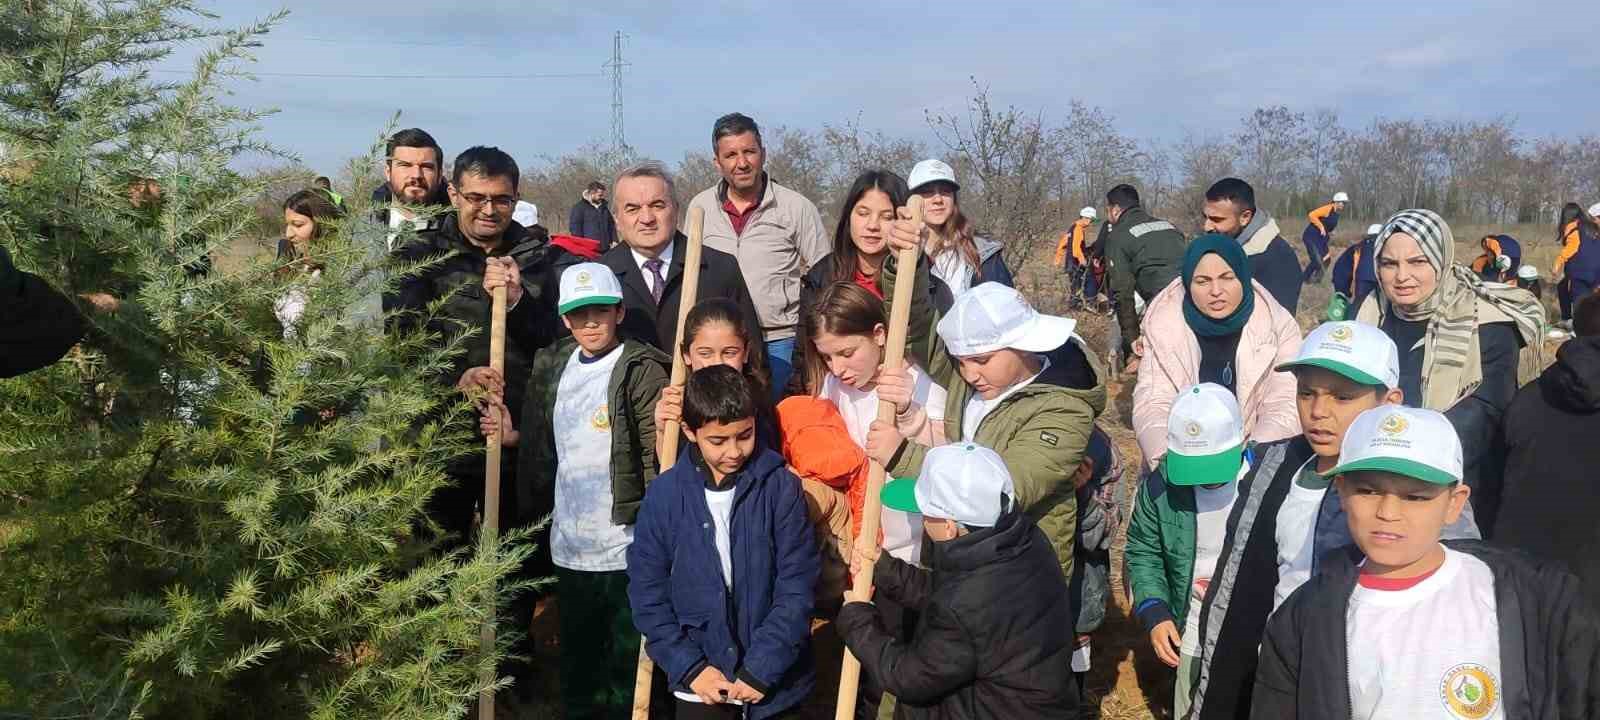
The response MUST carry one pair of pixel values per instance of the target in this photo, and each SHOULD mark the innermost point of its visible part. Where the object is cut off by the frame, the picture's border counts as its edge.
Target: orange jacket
(1316, 217)
(1073, 238)
(1491, 253)
(817, 445)
(1571, 242)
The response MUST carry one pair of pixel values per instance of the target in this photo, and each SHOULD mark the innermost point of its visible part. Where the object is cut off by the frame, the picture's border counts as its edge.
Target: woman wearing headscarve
(1459, 339)
(1215, 324)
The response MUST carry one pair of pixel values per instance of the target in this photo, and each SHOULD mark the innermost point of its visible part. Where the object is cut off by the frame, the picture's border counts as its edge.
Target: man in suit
(648, 260)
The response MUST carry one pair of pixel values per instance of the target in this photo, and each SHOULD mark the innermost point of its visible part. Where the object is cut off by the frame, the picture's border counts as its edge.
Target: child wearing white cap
(588, 449)
(994, 634)
(1421, 628)
(1018, 382)
(1179, 523)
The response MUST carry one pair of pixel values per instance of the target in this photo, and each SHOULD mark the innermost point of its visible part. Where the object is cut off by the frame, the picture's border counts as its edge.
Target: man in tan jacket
(775, 233)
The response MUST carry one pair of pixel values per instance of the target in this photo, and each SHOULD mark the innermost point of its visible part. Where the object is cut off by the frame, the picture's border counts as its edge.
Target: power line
(355, 76)
(364, 41)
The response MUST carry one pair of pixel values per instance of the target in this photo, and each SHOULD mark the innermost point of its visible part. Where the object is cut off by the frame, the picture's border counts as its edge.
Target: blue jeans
(780, 364)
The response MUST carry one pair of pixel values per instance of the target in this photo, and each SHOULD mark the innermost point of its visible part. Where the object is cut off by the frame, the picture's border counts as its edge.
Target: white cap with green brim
(993, 317)
(1413, 442)
(588, 284)
(1358, 351)
(1205, 436)
(963, 482)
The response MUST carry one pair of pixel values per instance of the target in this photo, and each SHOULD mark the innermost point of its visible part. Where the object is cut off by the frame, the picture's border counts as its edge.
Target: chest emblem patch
(601, 420)
(1469, 692)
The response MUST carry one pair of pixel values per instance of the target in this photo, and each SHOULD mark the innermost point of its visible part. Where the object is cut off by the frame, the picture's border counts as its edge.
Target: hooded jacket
(635, 383)
(1145, 255)
(994, 636)
(1552, 438)
(759, 630)
(1273, 263)
(1172, 362)
(991, 268)
(1549, 643)
(1041, 432)
(587, 220)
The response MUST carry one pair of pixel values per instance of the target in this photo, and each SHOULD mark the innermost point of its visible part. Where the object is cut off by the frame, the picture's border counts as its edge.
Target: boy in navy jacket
(722, 564)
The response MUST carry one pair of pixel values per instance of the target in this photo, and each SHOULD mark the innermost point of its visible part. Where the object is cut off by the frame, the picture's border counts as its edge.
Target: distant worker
(323, 182)
(1144, 254)
(1499, 260)
(1319, 233)
(1073, 258)
(1355, 276)
(1579, 258)
(591, 217)
(1230, 209)
(1528, 279)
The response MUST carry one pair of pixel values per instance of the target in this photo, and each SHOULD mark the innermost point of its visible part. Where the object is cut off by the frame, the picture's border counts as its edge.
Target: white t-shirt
(1430, 651)
(978, 408)
(902, 531)
(1297, 524)
(1211, 506)
(582, 536)
(721, 504)
(952, 268)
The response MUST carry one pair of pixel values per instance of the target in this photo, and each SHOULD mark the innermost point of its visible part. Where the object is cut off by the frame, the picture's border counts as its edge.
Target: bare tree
(1272, 145)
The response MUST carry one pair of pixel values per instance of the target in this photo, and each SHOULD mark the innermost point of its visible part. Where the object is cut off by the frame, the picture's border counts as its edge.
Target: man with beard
(413, 173)
(1230, 209)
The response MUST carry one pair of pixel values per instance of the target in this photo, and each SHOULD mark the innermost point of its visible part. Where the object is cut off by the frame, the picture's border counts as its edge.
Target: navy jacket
(1278, 270)
(1356, 277)
(760, 630)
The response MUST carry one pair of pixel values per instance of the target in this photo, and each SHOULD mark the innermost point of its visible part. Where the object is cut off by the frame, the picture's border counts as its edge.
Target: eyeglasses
(501, 202)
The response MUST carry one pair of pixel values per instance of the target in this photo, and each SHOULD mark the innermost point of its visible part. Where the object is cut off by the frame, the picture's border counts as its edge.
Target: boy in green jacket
(588, 439)
(1180, 522)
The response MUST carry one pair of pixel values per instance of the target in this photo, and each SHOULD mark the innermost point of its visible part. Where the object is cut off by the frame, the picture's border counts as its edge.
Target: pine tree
(199, 517)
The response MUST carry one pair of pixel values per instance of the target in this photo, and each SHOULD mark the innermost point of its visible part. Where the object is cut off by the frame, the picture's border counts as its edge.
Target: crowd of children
(1313, 575)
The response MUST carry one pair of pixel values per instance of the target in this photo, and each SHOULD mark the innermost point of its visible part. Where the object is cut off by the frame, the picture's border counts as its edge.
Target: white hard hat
(931, 170)
(1341, 197)
(1528, 272)
(526, 214)
(1374, 229)
(1594, 210)
(1088, 212)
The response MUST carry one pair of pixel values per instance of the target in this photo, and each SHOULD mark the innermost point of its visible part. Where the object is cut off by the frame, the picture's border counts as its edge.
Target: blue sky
(1161, 68)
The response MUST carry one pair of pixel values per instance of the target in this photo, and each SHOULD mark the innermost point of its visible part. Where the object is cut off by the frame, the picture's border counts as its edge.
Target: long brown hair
(958, 233)
(843, 308)
(844, 247)
(1573, 213)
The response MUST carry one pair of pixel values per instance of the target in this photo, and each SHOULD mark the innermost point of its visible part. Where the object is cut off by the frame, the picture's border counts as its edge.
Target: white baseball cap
(963, 482)
(993, 317)
(1341, 197)
(1594, 210)
(1355, 350)
(932, 170)
(1088, 212)
(1528, 272)
(526, 214)
(1413, 442)
(1205, 436)
(1374, 229)
(588, 284)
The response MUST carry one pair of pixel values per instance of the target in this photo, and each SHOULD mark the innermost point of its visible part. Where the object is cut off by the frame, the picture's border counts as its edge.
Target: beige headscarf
(1452, 362)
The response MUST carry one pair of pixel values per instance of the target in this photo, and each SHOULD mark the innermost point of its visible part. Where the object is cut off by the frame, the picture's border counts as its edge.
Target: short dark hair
(1123, 196)
(1586, 315)
(416, 138)
(1233, 190)
(484, 161)
(323, 181)
(595, 185)
(717, 393)
(734, 124)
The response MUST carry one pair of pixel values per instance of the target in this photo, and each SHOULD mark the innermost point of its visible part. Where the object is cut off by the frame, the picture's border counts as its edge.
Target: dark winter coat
(994, 636)
(760, 630)
(1355, 273)
(1146, 255)
(658, 324)
(1476, 417)
(589, 221)
(1272, 262)
(460, 278)
(635, 384)
(1549, 642)
(1552, 439)
(38, 324)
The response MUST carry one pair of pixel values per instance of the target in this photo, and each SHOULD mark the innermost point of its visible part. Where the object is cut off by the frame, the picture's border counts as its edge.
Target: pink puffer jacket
(1172, 362)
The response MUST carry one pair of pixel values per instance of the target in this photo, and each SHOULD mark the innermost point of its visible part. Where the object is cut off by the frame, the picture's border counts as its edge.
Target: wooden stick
(489, 531)
(872, 510)
(687, 297)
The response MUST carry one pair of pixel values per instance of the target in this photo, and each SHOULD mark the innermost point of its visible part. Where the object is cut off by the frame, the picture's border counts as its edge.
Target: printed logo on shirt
(601, 420)
(1469, 692)
(1049, 438)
